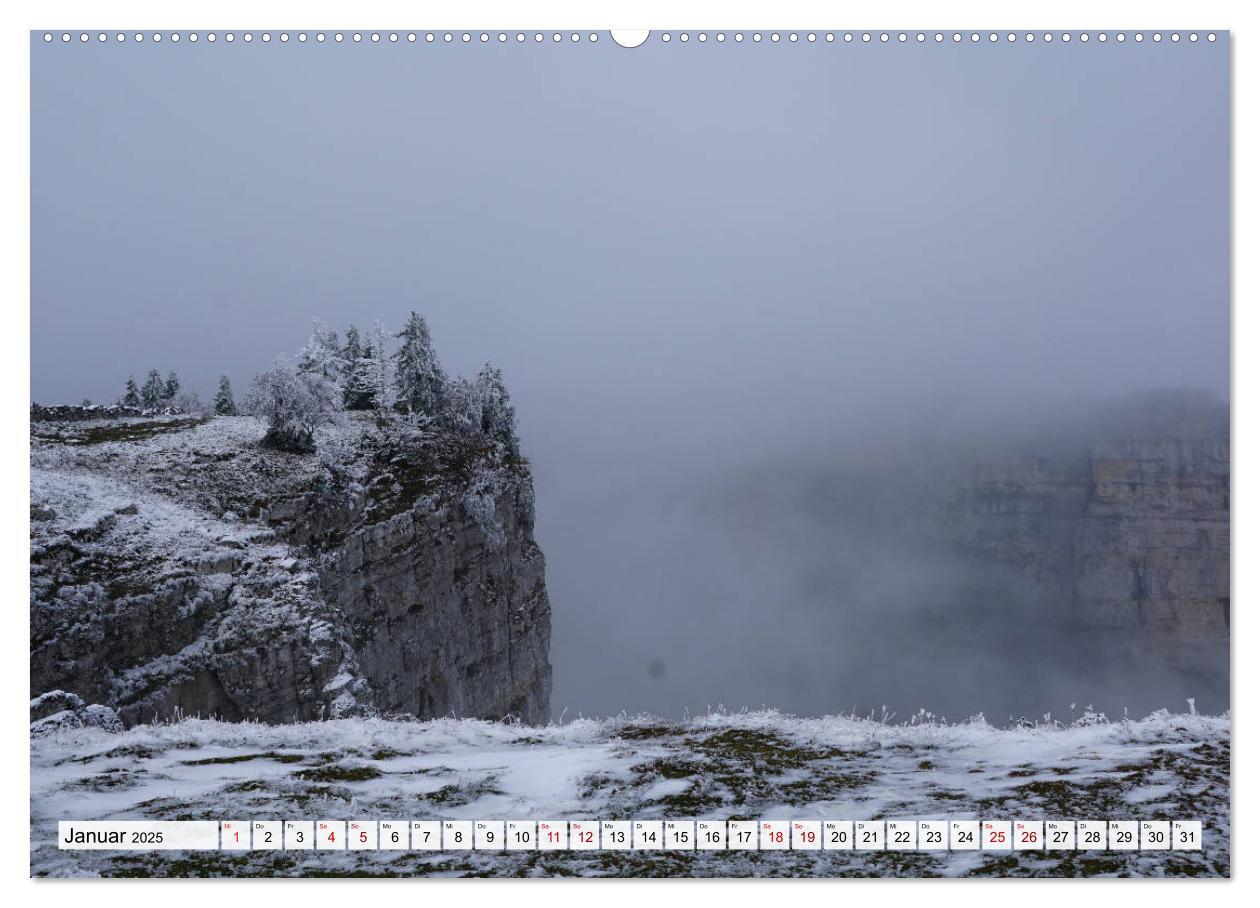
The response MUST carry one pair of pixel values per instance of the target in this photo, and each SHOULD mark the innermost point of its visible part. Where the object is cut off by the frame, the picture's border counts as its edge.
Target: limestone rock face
(395, 572)
(444, 620)
(1129, 527)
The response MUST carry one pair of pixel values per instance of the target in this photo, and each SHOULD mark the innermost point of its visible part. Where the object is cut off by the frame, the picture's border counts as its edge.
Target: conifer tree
(357, 384)
(498, 415)
(131, 396)
(170, 390)
(353, 348)
(418, 378)
(224, 403)
(380, 379)
(322, 355)
(360, 389)
(152, 391)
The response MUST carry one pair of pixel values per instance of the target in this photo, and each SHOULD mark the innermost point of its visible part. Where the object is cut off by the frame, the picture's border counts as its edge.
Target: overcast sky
(684, 258)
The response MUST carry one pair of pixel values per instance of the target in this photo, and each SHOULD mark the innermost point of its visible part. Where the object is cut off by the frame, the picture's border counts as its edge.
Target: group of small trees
(156, 394)
(361, 374)
(358, 369)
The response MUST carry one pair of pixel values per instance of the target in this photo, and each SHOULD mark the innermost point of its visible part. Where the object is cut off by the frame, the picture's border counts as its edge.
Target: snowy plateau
(721, 766)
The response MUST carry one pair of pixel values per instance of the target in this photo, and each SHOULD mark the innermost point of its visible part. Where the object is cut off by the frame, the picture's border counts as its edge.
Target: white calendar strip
(633, 835)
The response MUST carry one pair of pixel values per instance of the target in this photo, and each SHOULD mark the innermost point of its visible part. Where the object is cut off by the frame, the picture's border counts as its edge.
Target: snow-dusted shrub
(1090, 717)
(294, 404)
(189, 402)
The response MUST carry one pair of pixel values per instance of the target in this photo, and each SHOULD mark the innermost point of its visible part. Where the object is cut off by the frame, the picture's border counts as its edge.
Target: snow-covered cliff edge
(178, 567)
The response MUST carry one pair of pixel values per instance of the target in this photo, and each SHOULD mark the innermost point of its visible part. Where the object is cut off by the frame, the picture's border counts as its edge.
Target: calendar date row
(634, 835)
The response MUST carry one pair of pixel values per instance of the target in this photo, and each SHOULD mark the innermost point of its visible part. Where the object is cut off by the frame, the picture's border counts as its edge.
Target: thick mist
(757, 306)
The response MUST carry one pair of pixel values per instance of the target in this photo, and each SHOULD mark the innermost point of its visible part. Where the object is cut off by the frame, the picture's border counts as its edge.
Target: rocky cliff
(1124, 519)
(179, 567)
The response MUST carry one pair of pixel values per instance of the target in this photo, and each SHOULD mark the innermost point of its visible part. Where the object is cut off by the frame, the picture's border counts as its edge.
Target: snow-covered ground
(216, 466)
(721, 766)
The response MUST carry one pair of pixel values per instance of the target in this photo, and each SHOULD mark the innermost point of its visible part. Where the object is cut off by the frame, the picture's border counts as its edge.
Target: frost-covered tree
(498, 415)
(353, 348)
(418, 378)
(322, 355)
(224, 402)
(381, 378)
(153, 390)
(170, 390)
(461, 406)
(131, 395)
(360, 388)
(189, 402)
(294, 403)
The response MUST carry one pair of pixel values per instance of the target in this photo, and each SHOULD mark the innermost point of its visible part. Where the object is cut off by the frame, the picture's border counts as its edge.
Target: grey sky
(684, 258)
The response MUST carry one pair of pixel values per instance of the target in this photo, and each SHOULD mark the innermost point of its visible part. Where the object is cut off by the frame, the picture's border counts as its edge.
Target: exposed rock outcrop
(179, 568)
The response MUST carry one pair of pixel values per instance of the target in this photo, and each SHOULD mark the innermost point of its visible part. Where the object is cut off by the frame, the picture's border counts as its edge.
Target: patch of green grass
(665, 768)
(1199, 771)
(694, 802)
(247, 786)
(824, 786)
(110, 778)
(202, 864)
(121, 431)
(245, 758)
(457, 795)
(901, 864)
(338, 774)
(1060, 797)
(1086, 865)
(648, 732)
(745, 766)
(1007, 865)
(136, 751)
(591, 785)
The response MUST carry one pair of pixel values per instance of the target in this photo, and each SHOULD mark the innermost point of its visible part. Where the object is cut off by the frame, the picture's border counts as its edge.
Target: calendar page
(554, 451)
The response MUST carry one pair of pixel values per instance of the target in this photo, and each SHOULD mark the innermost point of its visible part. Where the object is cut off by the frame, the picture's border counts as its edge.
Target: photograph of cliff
(804, 430)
